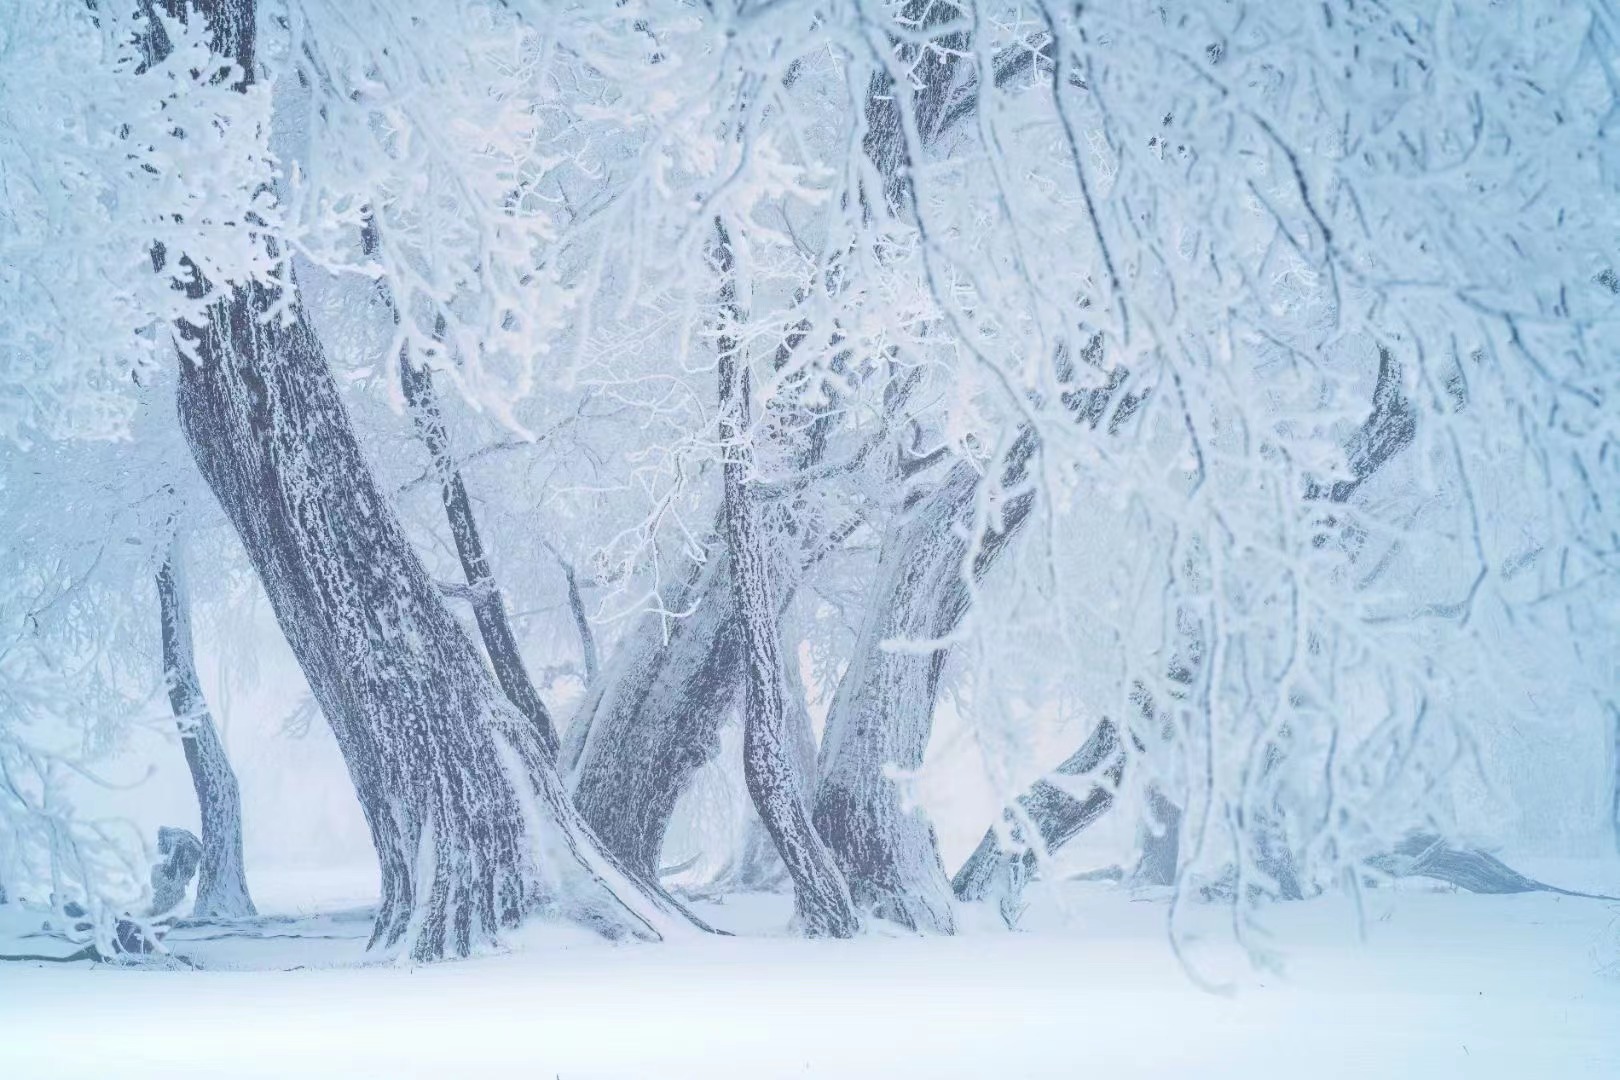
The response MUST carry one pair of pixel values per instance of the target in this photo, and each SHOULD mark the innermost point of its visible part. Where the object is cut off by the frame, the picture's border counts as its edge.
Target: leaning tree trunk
(772, 767)
(1046, 815)
(757, 866)
(473, 828)
(883, 710)
(489, 606)
(472, 825)
(653, 718)
(222, 890)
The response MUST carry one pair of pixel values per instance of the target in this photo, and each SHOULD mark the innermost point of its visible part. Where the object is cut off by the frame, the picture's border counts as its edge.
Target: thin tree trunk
(222, 890)
(582, 622)
(489, 606)
(473, 828)
(772, 766)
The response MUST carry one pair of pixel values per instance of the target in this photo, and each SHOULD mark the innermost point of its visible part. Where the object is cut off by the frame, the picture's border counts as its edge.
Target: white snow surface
(1422, 984)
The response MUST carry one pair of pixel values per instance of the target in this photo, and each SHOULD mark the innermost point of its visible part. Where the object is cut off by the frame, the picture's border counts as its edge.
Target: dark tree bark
(653, 718)
(484, 592)
(1000, 870)
(582, 623)
(471, 823)
(772, 766)
(473, 828)
(181, 856)
(222, 890)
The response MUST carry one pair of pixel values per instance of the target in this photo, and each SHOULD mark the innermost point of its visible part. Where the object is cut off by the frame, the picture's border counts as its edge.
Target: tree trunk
(653, 719)
(772, 766)
(1158, 842)
(883, 711)
(1058, 816)
(759, 867)
(473, 828)
(489, 606)
(222, 890)
(181, 856)
(1002, 865)
(1001, 869)
(582, 622)
(471, 823)
(1428, 855)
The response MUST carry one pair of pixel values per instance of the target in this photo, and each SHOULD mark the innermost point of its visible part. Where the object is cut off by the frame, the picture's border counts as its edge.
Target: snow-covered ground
(1422, 984)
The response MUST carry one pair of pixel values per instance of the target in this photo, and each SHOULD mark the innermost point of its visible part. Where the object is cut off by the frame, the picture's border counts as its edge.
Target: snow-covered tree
(1223, 389)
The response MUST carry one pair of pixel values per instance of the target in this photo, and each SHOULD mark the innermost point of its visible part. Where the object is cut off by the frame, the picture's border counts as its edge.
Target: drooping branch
(1001, 868)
